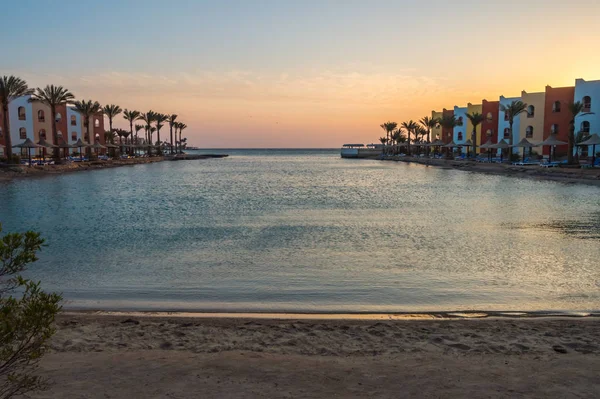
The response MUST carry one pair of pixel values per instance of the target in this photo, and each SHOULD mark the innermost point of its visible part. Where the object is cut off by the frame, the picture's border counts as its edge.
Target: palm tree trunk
(5, 129)
(180, 143)
(159, 151)
(474, 140)
(55, 151)
(408, 142)
(570, 158)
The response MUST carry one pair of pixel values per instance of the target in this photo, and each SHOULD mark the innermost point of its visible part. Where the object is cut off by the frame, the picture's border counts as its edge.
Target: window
(489, 133)
(0, 132)
(41, 116)
(585, 127)
(22, 133)
(460, 120)
(96, 123)
(74, 136)
(460, 136)
(490, 117)
(506, 116)
(529, 132)
(42, 134)
(554, 129)
(58, 117)
(556, 106)
(587, 103)
(506, 133)
(73, 120)
(530, 111)
(21, 112)
(59, 134)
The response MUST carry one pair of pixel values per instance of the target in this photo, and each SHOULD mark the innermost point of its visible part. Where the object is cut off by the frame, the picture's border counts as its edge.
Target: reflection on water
(307, 231)
(586, 227)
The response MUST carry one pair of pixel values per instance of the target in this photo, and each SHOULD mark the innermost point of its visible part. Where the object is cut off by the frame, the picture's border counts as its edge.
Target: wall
(447, 134)
(592, 89)
(16, 124)
(536, 121)
(503, 124)
(459, 135)
(436, 132)
(489, 126)
(471, 109)
(561, 118)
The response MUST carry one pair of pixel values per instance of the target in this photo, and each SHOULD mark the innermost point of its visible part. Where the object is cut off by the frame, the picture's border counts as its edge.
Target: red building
(489, 126)
(557, 117)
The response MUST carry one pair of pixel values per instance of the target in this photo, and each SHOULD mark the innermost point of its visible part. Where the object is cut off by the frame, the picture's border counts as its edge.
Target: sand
(100, 356)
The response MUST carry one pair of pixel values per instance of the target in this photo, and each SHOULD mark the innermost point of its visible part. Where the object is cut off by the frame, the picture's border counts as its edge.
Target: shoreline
(97, 356)
(535, 172)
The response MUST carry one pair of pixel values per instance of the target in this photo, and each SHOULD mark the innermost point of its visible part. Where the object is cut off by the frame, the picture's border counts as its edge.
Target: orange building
(557, 117)
(489, 126)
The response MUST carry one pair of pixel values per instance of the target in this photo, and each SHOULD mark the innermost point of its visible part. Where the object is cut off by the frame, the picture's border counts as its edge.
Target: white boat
(361, 151)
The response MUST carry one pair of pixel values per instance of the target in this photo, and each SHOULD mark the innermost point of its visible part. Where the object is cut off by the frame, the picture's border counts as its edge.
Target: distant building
(557, 116)
(532, 121)
(460, 135)
(504, 123)
(447, 134)
(588, 121)
(436, 132)
(472, 109)
(489, 126)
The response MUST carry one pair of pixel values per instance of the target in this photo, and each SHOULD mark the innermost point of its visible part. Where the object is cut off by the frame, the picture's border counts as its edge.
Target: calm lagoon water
(308, 231)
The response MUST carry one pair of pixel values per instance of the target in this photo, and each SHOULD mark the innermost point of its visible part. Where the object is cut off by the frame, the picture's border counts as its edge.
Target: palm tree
(449, 122)
(410, 127)
(148, 118)
(513, 110)
(181, 127)
(172, 123)
(137, 129)
(576, 110)
(53, 96)
(429, 123)
(160, 120)
(111, 111)
(109, 136)
(131, 117)
(87, 109)
(476, 118)
(389, 127)
(11, 88)
(151, 131)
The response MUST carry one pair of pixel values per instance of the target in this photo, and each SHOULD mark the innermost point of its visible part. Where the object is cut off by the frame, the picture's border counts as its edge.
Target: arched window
(96, 123)
(587, 103)
(530, 111)
(21, 112)
(460, 136)
(57, 117)
(506, 133)
(554, 129)
(42, 134)
(585, 127)
(73, 120)
(490, 117)
(41, 116)
(97, 137)
(460, 120)
(556, 106)
(505, 116)
(529, 132)
(59, 134)
(74, 136)
(489, 133)
(22, 133)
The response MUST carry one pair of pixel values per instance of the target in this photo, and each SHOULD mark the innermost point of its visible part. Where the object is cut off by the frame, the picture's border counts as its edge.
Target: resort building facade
(33, 120)
(471, 109)
(489, 126)
(436, 132)
(557, 116)
(504, 131)
(447, 134)
(532, 121)
(588, 121)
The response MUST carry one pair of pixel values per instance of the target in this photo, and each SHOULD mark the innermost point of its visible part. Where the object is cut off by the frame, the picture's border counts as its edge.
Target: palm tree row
(12, 87)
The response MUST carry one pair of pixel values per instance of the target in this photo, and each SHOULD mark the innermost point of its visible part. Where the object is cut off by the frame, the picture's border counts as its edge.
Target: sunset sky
(298, 73)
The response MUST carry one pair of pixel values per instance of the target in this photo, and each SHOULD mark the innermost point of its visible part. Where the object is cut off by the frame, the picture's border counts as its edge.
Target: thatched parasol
(524, 143)
(593, 140)
(29, 145)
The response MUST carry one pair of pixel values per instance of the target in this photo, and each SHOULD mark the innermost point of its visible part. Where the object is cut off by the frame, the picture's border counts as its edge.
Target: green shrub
(26, 316)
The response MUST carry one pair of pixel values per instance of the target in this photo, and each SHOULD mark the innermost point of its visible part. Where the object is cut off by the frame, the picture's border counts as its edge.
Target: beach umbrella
(486, 146)
(45, 145)
(593, 140)
(80, 144)
(552, 141)
(437, 143)
(524, 143)
(97, 146)
(64, 145)
(467, 144)
(450, 146)
(501, 145)
(29, 145)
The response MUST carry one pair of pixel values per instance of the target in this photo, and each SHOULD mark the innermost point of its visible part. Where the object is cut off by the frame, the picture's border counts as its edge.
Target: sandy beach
(565, 175)
(100, 356)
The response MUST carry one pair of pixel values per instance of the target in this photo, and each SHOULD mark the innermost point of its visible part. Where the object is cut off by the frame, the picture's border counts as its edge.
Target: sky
(298, 74)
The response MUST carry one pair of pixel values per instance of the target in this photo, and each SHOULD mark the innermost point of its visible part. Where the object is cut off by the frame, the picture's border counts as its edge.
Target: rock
(559, 349)
(130, 321)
